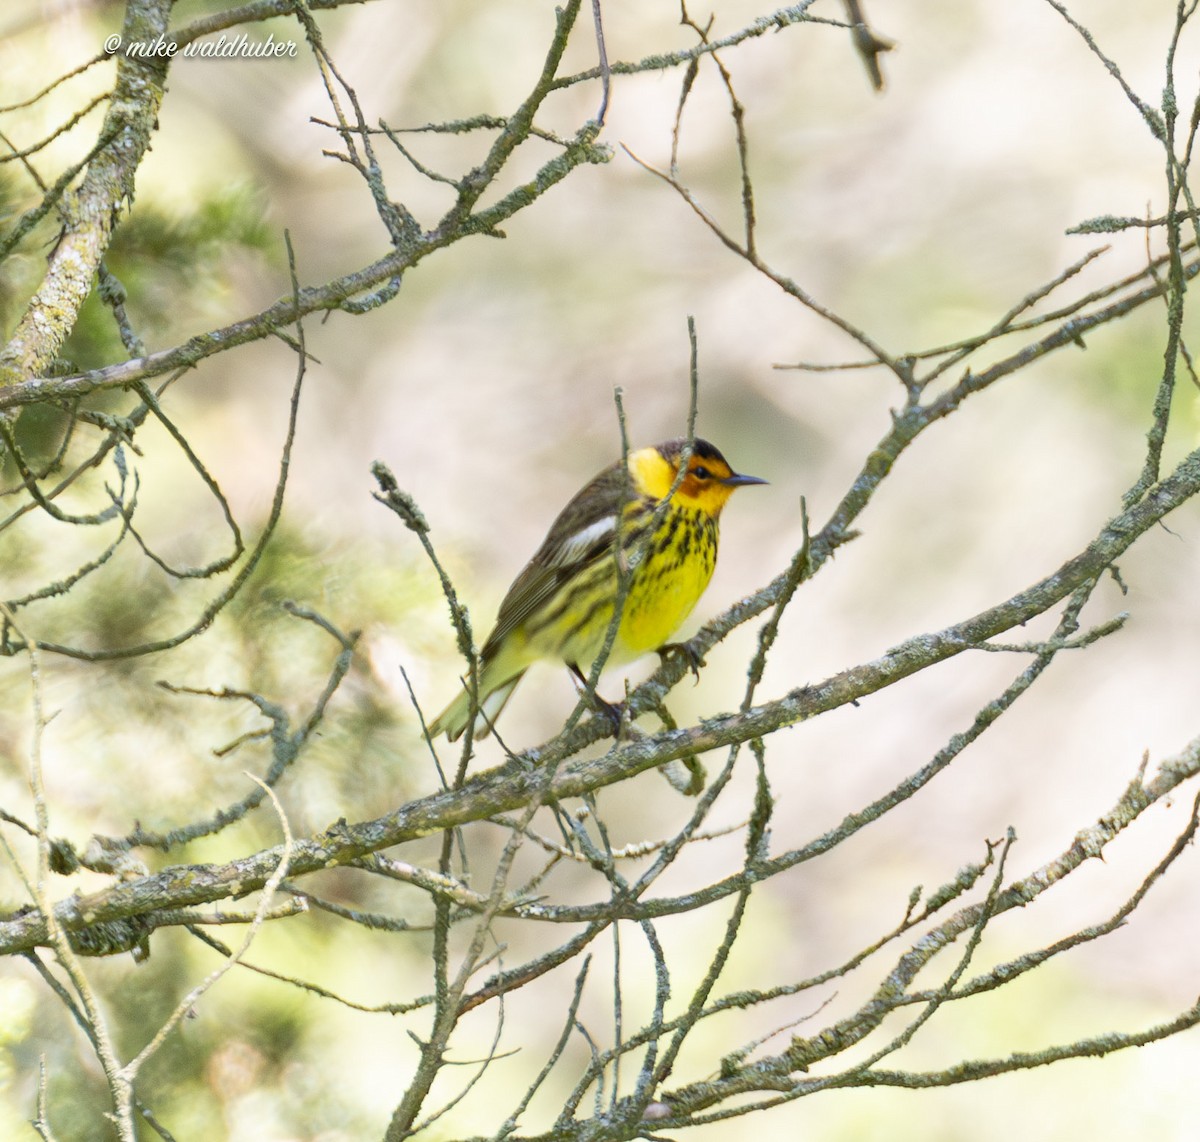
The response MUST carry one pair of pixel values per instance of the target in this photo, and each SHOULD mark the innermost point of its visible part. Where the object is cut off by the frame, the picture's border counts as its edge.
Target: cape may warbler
(561, 605)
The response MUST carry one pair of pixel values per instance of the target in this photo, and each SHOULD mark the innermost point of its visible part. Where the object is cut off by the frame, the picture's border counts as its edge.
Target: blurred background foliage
(920, 214)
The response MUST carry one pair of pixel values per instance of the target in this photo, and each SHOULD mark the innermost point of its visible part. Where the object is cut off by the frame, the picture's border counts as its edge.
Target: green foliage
(178, 271)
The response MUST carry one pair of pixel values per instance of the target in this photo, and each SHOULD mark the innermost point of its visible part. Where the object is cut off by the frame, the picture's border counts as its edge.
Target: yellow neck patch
(650, 472)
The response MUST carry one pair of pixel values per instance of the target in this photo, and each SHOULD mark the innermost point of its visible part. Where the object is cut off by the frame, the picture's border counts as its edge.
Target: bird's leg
(689, 653)
(612, 712)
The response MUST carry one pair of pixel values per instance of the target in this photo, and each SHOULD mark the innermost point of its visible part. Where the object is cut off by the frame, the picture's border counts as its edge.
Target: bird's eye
(701, 472)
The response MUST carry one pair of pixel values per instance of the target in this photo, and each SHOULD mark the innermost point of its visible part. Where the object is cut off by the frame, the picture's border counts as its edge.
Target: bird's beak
(737, 480)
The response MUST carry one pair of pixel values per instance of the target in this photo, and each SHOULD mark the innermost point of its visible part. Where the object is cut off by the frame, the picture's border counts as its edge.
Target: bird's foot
(613, 712)
(689, 653)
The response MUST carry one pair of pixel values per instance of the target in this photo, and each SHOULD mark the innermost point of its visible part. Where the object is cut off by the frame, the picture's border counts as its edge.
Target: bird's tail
(452, 721)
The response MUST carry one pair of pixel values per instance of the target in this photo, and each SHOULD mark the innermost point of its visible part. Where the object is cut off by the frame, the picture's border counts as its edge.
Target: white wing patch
(578, 545)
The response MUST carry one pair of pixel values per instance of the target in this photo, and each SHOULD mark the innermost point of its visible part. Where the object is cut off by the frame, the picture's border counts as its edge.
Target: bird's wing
(583, 533)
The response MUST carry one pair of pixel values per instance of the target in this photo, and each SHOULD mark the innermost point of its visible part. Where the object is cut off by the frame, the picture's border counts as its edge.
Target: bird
(638, 521)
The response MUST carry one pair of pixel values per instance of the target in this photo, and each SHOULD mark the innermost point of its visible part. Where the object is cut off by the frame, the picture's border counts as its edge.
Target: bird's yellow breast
(669, 580)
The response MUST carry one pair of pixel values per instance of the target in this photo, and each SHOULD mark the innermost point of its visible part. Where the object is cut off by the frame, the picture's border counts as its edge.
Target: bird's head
(707, 485)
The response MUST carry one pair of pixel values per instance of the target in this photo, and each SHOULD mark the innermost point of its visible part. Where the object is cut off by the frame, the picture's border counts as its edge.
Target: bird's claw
(612, 711)
(689, 653)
